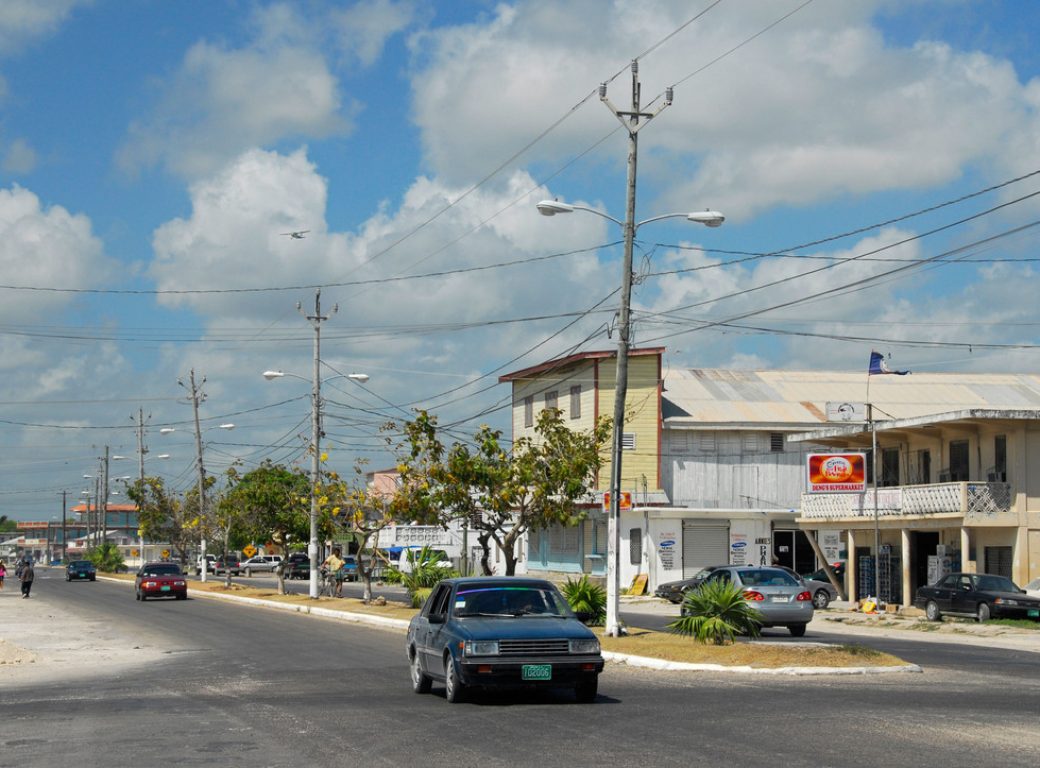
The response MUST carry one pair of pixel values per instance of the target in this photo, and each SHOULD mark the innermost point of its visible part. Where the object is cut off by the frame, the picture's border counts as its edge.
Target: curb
(644, 662)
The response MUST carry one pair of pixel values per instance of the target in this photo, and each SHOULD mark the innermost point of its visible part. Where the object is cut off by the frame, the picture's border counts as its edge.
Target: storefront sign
(836, 472)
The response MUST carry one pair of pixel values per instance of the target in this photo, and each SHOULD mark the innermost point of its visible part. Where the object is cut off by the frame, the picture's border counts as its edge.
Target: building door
(998, 561)
(704, 542)
(923, 545)
(793, 550)
(958, 461)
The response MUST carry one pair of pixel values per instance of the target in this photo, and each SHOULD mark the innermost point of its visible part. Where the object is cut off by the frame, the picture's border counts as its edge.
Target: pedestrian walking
(3, 573)
(27, 577)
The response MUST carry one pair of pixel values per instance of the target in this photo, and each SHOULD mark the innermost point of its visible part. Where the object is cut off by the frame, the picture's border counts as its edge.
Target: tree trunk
(484, 539)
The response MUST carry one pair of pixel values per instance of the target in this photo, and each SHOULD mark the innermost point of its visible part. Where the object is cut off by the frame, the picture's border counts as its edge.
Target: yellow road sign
(166, 553)
(249, 550)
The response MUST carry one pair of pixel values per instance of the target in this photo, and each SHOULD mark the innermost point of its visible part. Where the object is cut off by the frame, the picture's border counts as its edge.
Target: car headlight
(178, 583)
(1006, 601)
(481, 648)
(148, 584)
(585, 646)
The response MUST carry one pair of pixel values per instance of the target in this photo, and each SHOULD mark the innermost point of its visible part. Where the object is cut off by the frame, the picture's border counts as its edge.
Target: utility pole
(64, 540)
(104, 504)
(630, 122)
(141, 451)
(312, 548)
(196, 397)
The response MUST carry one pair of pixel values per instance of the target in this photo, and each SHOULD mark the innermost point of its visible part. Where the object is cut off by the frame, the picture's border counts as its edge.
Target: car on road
(210, 560)
(260, 564)
(298, 566)
(981, 596)
(779, 596)
(80, 570)
(222, 565)
(501, 632)
(675, 591)
(161, 579)
(349, 571)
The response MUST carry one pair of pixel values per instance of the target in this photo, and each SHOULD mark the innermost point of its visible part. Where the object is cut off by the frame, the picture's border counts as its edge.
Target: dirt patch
(13, 654)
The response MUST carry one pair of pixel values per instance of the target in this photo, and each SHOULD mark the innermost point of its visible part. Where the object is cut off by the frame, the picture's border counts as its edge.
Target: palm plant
(588, 598)
(715, 612)
(107, 557)
(426, 572)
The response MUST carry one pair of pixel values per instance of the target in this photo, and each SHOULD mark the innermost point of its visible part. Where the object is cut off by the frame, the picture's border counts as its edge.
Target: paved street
(204, 682)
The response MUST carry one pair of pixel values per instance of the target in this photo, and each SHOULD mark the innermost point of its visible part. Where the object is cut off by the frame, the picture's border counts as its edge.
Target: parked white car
(260, 564)
(439, 557)
(1033, 588)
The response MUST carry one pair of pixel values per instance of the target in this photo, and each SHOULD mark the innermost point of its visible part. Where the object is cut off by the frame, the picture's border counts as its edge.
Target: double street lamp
(315, 447)
(630, 121)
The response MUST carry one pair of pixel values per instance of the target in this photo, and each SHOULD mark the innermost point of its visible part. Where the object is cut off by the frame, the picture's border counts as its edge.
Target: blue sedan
(501, 632)
(80, 570)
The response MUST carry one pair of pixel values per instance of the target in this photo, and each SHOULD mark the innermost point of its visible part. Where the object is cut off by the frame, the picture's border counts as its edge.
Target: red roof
(562, 362)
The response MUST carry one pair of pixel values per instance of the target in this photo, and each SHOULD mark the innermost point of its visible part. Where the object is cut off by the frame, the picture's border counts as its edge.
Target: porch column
(904, 561)
(851, 566)
(967, 565)
(1020, 558)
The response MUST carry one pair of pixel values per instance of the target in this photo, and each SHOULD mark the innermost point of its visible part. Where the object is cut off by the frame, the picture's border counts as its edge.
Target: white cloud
(20, 157)
(222, 102)
(24, 20)
(822, 105)
(45, 247)
(364, 28)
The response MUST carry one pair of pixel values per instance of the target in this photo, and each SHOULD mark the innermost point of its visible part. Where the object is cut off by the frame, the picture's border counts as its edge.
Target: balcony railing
(973, 500)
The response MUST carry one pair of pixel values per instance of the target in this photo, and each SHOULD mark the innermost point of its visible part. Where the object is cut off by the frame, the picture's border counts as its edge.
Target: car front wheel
(821, 599)
(454, 690)
(983, 613)
(931, 610)
(420, 682)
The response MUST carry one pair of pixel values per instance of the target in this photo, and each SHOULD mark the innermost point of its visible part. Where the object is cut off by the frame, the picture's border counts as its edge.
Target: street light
(316, 381)
(630, 122)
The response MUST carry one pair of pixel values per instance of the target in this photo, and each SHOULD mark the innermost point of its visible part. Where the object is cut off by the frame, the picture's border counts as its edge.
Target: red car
(161, 580)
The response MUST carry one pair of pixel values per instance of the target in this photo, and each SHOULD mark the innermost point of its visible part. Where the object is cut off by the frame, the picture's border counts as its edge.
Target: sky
(878, 164)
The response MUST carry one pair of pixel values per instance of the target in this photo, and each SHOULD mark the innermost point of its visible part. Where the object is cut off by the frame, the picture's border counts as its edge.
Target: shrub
(419, 596)
(586, 597)
(107, 557)
(426, 572)
(715, 612)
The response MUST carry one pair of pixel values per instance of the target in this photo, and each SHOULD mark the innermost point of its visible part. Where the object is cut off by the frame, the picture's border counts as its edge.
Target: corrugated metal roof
(715, 396)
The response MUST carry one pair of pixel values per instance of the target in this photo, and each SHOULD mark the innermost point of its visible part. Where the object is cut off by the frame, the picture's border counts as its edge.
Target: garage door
(703, 543)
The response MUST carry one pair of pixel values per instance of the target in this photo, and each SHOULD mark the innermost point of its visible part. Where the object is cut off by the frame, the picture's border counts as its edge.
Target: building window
(628, 441)
(749, 442)
(999, 459)
(529, 411)
(576, 402)
(706, 442)
(776, 442)
(552, 400)
(889, 467)
(958, 461)
(635, 546)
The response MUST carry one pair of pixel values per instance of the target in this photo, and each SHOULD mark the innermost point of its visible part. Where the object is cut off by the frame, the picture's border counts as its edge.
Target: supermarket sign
(836, 472)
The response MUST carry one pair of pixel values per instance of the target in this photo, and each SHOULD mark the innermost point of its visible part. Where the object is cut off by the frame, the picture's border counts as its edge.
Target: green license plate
(536, 672)
(1033, 614)
(164, 589)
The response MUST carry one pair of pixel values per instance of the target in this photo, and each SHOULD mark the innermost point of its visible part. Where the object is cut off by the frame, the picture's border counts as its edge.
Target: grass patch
(756, 653)
(1029, 624)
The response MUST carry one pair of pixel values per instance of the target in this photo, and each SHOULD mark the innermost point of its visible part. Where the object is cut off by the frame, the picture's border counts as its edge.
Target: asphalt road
(227, 685)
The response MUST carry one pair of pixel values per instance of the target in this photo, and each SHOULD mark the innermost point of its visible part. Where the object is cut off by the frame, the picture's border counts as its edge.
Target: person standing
(3, 573)
(27, 576)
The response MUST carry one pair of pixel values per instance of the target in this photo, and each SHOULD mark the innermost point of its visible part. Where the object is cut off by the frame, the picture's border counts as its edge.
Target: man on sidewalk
(27, 577)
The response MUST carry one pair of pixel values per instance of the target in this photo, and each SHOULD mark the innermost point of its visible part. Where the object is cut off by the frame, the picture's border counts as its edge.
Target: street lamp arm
(553, 207)
(359, 377)
(707, 218)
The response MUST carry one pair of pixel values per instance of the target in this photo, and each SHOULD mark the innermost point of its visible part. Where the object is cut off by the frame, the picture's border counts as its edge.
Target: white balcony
(972, 500)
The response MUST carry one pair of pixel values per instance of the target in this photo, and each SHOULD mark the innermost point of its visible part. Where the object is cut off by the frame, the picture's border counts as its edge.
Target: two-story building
(715, 461)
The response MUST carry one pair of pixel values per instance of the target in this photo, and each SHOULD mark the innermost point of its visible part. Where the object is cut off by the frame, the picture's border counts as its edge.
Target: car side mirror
(585, 616)
(437, 618)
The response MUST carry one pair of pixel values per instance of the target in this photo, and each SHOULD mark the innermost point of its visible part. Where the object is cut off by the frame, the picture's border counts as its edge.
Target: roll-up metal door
(704, 542)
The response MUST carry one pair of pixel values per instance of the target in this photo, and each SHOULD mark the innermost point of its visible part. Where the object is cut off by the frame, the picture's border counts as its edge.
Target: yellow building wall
(642, 418)
(582, 374)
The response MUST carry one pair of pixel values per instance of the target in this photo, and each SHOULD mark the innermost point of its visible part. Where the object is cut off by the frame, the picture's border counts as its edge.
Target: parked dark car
(501, 632)
(298, 567)
(349, 571)
(675, 591)
(976, 595)
(161, 579)
(80, 570)
(780, 597)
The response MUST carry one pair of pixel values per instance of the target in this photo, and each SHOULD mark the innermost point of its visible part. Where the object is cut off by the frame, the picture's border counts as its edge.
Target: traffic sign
(249, 550)
(165, 553)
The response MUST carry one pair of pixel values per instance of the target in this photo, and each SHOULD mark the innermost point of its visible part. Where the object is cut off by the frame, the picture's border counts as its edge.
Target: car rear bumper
(494, 671)
(172, 592)
(800, 613)
(86, 576)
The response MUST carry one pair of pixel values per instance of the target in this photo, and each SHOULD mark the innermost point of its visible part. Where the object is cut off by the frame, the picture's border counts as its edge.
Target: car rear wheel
(420, 682)
(585, 692)
(454, 689)
(983, 613)
(796, 630)
(821, 599)
(931, 610)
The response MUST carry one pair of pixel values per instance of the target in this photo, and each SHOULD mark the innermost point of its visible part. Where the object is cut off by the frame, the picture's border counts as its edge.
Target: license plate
(536, 672)
(1033, 613)
(164, 589)
(779, 598)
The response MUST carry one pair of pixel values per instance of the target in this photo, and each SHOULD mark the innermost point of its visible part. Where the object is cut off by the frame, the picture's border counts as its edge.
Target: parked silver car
(260, 563)
(781, 598)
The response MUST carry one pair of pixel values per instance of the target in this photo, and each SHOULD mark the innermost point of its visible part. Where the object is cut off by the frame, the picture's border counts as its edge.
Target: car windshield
(997, 584)
(767, 577)
(80, 564)
(519, 600)
(162, 569)
(702, 573)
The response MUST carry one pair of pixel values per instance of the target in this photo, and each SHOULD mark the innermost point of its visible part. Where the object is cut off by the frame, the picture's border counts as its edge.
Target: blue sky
(153, 153)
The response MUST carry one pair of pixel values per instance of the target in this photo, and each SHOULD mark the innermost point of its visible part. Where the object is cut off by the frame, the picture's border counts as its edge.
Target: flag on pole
(878, 365)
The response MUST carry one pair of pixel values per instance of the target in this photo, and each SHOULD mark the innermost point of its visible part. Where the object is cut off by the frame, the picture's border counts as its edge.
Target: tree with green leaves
(502, 493)
(162, 516)
(107, 557)
(273, 504)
